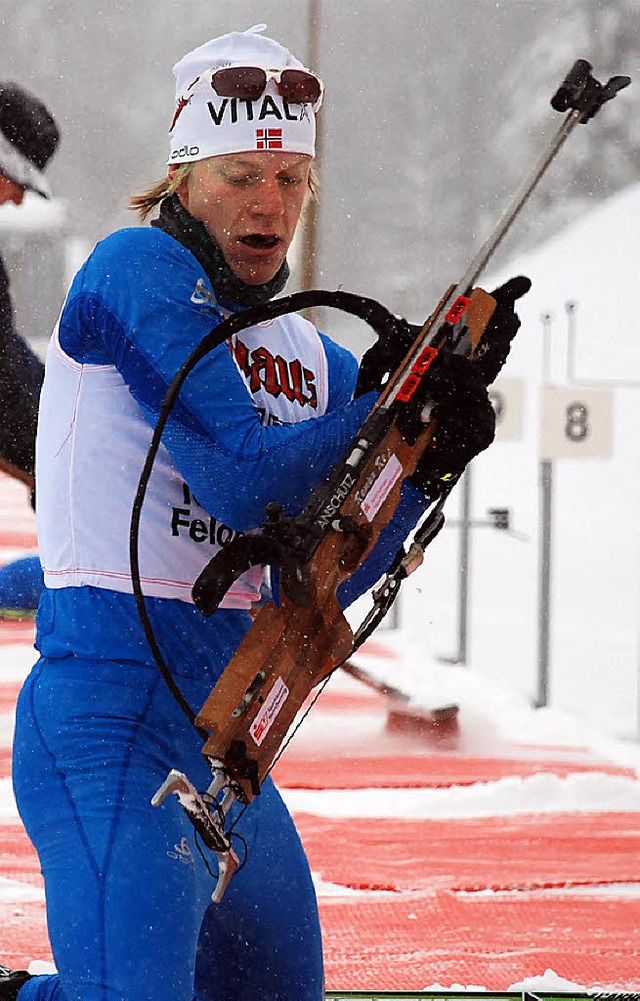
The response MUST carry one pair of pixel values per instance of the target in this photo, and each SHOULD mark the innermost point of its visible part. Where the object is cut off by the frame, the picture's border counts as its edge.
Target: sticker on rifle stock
(268, 711)
(382, 487)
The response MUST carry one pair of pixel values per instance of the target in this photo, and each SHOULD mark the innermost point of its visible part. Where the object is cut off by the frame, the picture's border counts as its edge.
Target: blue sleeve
(412, 506)
(132, 306)
(410, 510)
(343, 372)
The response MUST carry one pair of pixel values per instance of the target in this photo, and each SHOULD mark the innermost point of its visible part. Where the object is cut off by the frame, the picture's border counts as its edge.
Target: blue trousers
(128, 893)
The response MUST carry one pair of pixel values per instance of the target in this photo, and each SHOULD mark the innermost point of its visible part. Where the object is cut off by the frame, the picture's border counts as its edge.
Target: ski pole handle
(580, 91)
(580, 96)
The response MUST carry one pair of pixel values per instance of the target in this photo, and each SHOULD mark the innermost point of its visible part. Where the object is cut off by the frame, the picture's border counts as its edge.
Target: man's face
(10, 191)
(250, 203)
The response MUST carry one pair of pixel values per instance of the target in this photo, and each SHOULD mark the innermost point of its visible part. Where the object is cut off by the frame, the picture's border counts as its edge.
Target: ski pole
(580, 96)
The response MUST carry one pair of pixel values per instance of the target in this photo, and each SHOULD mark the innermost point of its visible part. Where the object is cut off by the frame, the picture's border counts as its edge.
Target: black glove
(466, 422)
(384, 357)
(495, 343)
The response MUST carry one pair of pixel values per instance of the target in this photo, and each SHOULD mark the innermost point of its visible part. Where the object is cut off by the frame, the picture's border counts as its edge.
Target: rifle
(293, 646)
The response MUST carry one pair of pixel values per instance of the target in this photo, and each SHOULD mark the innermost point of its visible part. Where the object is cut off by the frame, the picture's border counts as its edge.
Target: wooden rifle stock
(290, 648)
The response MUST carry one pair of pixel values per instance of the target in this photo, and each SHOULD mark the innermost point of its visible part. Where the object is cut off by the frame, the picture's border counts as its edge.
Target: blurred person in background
(29, 137)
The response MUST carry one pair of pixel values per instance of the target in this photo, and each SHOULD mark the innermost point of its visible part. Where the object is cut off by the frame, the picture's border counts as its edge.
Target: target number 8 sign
(576, 422)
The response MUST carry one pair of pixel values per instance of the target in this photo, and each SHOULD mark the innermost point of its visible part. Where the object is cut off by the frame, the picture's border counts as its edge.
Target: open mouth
(260, 241)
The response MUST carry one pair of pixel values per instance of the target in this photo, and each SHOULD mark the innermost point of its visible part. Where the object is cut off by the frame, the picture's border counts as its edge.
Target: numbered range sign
(576, 422)
(507, 397)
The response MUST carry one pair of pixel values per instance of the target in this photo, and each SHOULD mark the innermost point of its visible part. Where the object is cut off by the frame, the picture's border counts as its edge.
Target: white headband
(208, 125)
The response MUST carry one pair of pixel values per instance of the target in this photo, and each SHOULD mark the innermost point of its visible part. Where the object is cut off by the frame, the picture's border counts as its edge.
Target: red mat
(413, 770)
(23, 934)
(495, 853)
(8, 697)
(18, 538)
(17, 631)
(409, 942)
(18, 860)
(23, 928)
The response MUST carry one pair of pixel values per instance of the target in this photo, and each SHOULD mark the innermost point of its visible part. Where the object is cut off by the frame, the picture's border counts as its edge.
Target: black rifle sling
(384, 323)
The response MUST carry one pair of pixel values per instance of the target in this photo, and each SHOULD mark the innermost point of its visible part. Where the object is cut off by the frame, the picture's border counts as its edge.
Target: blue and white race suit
(263, 417)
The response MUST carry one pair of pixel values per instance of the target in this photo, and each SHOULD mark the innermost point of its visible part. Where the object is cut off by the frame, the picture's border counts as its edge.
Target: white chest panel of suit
(286, 384)
(91, 446)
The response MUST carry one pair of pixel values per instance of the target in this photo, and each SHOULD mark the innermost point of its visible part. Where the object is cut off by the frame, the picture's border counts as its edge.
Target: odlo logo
(185, 151)
(182, 852)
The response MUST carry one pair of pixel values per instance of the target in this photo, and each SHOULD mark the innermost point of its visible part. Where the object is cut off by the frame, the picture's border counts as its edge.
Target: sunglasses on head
(248, 83)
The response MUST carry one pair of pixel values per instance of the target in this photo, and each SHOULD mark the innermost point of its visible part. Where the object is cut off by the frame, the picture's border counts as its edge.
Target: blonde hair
(146, 201)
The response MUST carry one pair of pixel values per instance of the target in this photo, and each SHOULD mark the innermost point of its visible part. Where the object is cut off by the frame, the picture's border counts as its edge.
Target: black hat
(28, 138)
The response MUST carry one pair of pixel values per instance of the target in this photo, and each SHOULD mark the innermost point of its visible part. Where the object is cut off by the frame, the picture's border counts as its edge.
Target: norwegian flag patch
(268, 138)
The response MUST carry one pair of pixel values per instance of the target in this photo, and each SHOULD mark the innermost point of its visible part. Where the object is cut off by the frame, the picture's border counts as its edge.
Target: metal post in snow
(544, 621)
(545, 555)
(463, 572)
(465, 553)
